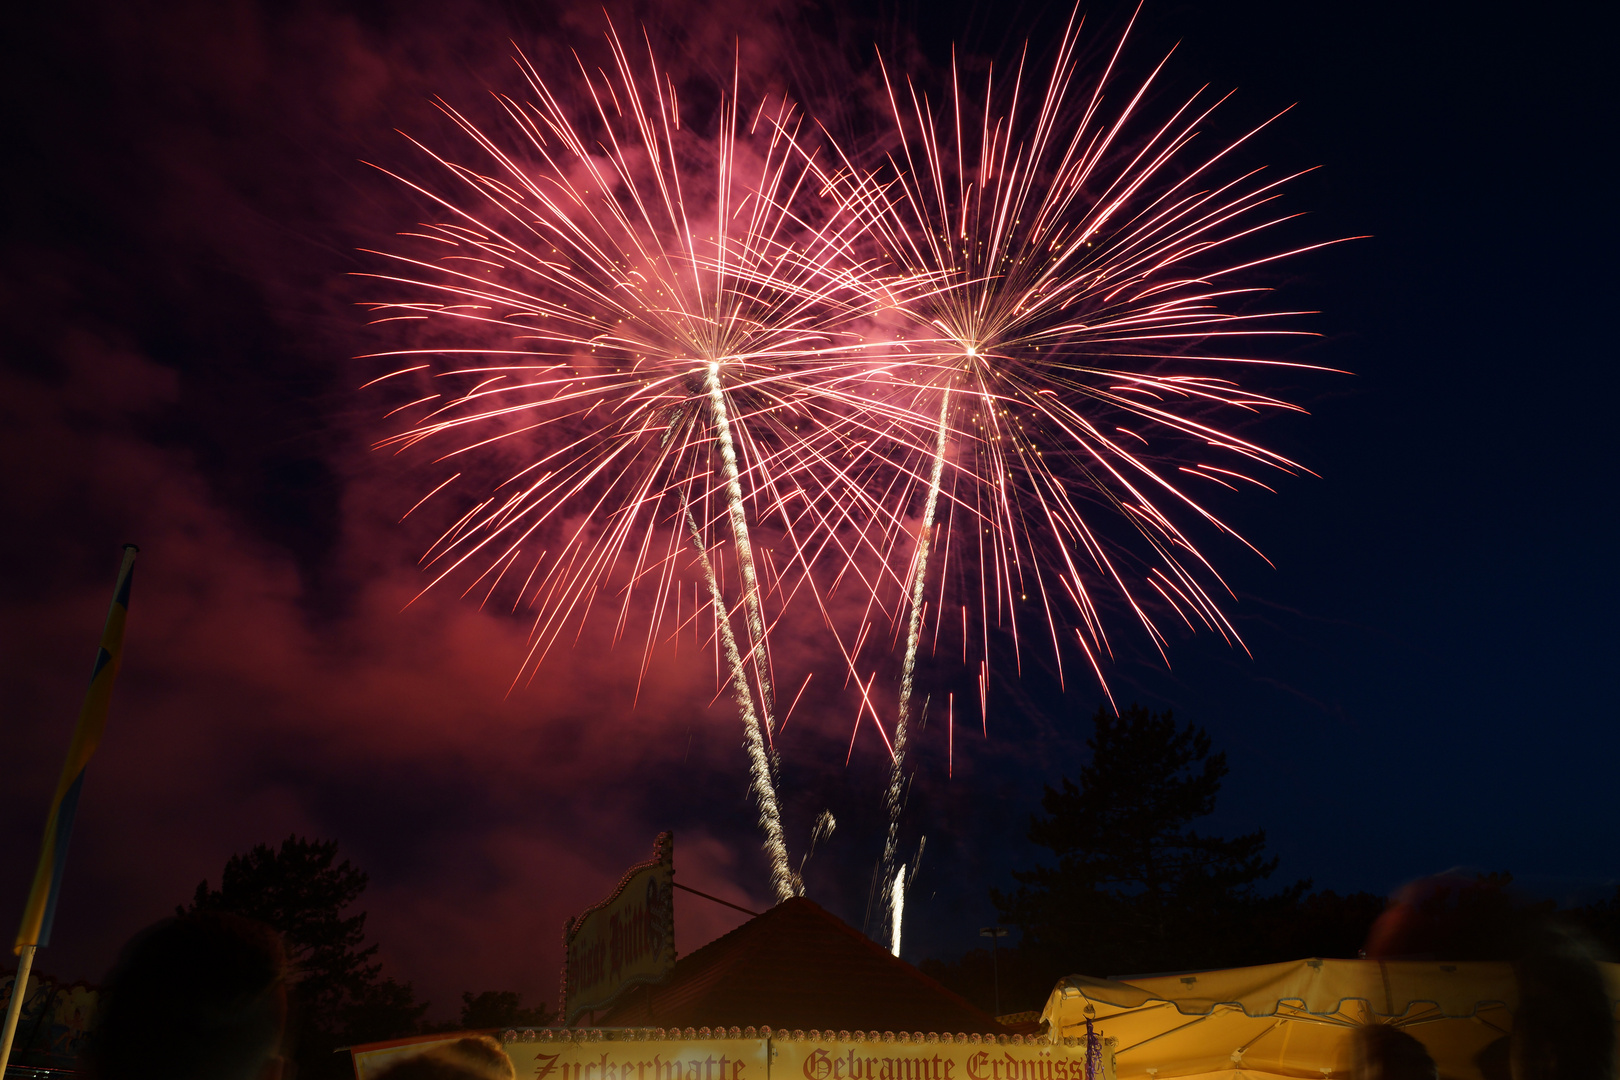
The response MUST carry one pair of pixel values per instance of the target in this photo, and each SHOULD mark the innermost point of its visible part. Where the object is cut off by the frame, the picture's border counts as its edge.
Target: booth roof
(1294, 1019)
(798, 966)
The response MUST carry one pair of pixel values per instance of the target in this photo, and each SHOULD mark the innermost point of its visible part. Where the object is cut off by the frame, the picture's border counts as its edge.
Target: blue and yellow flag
(41, 909)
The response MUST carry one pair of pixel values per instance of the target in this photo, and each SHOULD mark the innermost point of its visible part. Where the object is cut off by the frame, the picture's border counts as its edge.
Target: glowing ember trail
(783, 880)
(739, 534)
(894, 799)
(897, 909)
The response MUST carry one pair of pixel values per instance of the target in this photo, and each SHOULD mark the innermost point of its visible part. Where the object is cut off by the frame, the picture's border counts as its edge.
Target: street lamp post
(994, 932)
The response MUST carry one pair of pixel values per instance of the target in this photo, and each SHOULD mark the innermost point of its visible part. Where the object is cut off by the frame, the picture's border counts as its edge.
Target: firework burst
(1073, 350)
(665, 344)
(634, 326)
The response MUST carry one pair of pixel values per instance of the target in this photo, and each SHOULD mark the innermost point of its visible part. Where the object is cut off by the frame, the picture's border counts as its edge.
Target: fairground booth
(797, 994)
(1296, 1019)
(794, 992)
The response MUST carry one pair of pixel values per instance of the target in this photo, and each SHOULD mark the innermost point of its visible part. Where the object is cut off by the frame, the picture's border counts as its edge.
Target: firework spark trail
(896, 792)
(745, 556)
(1054, 275)
(896, 889)
(783, 880)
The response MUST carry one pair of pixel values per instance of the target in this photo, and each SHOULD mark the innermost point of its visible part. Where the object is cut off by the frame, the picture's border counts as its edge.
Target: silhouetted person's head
(1388, 1053)
(477, 1057)
(482, 1052)
(1454, 917)
(1563, 1028)
(199, 997)
(1563, 1025)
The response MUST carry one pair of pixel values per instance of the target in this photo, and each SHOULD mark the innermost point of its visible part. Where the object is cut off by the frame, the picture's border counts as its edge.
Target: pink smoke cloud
(191, 389)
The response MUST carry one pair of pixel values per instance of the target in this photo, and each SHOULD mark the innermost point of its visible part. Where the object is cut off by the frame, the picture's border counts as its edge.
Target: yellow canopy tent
(1290, 1020)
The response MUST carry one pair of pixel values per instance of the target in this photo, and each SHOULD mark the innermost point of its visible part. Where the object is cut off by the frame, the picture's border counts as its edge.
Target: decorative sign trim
(607, 950)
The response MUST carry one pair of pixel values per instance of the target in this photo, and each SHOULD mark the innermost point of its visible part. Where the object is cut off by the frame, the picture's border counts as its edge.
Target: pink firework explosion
(708, 377)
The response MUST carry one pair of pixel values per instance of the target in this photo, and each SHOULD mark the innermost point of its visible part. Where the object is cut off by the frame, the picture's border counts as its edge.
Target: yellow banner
(705, 1059)
(588, 1059)
(627, 939)
(40, 911)
(625, 1055)
(933, 1058)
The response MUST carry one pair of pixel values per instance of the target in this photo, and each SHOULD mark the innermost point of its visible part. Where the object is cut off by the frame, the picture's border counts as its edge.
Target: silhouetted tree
(338, 992)
(1321, 924)
(384, 1009)
(1136, 888)
(1023, 978)
(1601, 920)
(501, 1009)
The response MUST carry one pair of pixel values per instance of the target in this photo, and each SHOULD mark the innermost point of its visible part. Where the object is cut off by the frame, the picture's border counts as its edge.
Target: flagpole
(40, 912)
(19, 989)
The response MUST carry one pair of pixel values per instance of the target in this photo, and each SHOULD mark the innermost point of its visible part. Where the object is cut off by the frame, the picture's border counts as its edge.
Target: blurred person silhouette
(1563, 1028)
(1384, 1052)
(477, 1057)
(196, 997)
(1455, 916)
(1563, 1022)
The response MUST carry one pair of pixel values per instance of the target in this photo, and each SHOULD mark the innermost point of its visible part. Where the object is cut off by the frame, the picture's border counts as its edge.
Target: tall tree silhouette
(302, 891)
(1136, 887)
(501, 1009)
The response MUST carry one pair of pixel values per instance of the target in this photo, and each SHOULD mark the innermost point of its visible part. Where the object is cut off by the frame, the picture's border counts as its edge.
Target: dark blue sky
(1432, 654)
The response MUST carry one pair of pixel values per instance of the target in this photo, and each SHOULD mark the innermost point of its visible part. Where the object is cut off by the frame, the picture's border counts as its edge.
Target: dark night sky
(1431, 655)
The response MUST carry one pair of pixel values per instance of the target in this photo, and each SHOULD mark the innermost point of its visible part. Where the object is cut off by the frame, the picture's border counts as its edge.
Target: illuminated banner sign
(700, 1059)
(626, 940)
(647, 1054)
(585, 1058)
(935, 1057)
